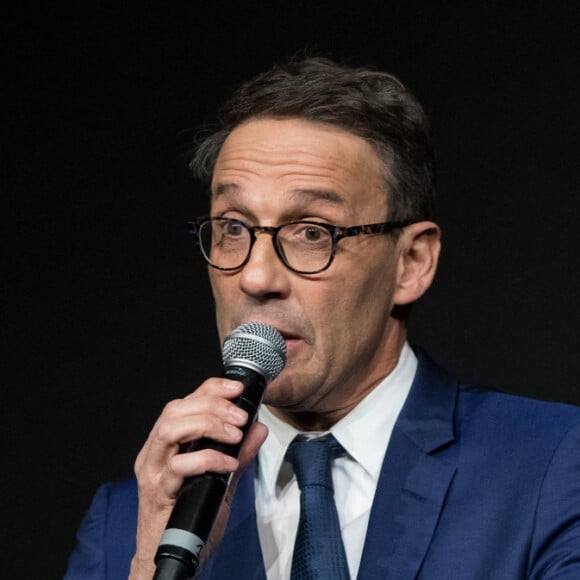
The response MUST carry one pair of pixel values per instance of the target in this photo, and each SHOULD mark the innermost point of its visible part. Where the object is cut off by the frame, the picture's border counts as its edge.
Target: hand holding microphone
(254, 354)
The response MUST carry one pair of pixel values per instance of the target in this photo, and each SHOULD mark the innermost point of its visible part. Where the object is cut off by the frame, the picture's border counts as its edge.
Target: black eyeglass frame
(337, 233)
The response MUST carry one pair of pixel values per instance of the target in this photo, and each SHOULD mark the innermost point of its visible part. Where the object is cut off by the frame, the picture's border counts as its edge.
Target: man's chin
(279, 391)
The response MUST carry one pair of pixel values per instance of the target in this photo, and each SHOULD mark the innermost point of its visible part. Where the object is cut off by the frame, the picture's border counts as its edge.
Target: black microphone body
(201, 496)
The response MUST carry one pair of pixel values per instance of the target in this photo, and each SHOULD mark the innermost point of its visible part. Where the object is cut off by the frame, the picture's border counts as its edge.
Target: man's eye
(312, 234)
(232, 229)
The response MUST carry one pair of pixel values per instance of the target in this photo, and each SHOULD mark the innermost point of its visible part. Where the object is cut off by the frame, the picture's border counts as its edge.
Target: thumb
(254, 440)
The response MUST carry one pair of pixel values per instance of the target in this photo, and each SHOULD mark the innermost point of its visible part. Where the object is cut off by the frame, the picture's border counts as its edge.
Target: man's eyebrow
(224, 188)
(318, 195)
(304, 195)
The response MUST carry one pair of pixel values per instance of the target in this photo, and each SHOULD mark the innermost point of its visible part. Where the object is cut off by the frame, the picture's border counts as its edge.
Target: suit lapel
(414, 479)
(410, 494)
(239, 554)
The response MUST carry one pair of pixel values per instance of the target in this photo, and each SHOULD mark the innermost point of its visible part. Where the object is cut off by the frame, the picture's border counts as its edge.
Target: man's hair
(373, 105)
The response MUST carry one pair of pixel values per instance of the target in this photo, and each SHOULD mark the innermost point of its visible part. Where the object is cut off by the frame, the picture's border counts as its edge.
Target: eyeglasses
(304, 247)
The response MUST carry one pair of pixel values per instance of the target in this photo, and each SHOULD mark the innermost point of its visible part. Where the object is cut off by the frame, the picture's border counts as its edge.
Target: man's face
(340, 337)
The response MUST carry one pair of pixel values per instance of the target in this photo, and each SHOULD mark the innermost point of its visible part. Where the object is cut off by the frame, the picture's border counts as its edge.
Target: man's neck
(329, 412)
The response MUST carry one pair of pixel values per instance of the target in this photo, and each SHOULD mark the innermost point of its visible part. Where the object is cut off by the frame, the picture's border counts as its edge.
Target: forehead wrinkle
(245, 152)
(298, 195)
(312, 183)
(325, 170)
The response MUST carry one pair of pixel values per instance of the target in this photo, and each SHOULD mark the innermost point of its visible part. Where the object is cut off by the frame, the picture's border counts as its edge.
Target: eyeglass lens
(304, 246)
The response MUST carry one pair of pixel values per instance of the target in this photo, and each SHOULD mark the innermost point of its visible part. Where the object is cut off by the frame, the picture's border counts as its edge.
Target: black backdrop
(106, 310)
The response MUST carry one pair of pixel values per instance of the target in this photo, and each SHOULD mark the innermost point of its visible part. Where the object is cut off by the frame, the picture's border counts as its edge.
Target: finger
(191, 464)
(195, 403)
(195, 463)
(218, 387)
(223, 427)
(182, 421)
(255, 438)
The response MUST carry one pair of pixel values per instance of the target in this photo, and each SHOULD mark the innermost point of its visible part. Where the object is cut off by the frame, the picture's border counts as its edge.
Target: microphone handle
(201, 496)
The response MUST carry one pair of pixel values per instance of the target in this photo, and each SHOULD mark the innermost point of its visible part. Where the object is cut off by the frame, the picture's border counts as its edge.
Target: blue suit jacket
(476, 485)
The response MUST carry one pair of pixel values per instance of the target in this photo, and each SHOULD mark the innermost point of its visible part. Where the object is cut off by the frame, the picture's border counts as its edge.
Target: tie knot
(312, 459)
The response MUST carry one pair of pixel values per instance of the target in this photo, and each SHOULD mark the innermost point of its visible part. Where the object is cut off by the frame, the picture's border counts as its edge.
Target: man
(436, 479)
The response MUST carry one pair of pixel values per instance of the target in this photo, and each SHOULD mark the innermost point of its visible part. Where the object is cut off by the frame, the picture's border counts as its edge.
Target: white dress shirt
(364, 433)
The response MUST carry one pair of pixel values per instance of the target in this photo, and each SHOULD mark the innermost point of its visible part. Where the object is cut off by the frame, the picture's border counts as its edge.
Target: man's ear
(419, 246)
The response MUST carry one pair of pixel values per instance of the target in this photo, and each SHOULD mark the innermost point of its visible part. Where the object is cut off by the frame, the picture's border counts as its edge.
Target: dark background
(106, 312)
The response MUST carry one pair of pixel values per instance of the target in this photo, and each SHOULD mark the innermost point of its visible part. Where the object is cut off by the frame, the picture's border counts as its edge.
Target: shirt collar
(365, 429)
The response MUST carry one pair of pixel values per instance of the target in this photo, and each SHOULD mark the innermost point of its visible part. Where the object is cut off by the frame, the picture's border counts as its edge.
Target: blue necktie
(318, 551)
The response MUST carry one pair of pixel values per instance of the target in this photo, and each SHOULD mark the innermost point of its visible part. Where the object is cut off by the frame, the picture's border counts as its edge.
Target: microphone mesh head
(257, 346)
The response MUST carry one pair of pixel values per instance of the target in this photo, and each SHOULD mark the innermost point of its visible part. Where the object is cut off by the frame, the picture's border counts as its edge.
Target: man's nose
(264, 274)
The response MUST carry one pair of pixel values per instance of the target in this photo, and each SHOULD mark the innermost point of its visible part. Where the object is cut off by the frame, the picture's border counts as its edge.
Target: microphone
(255, 354)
